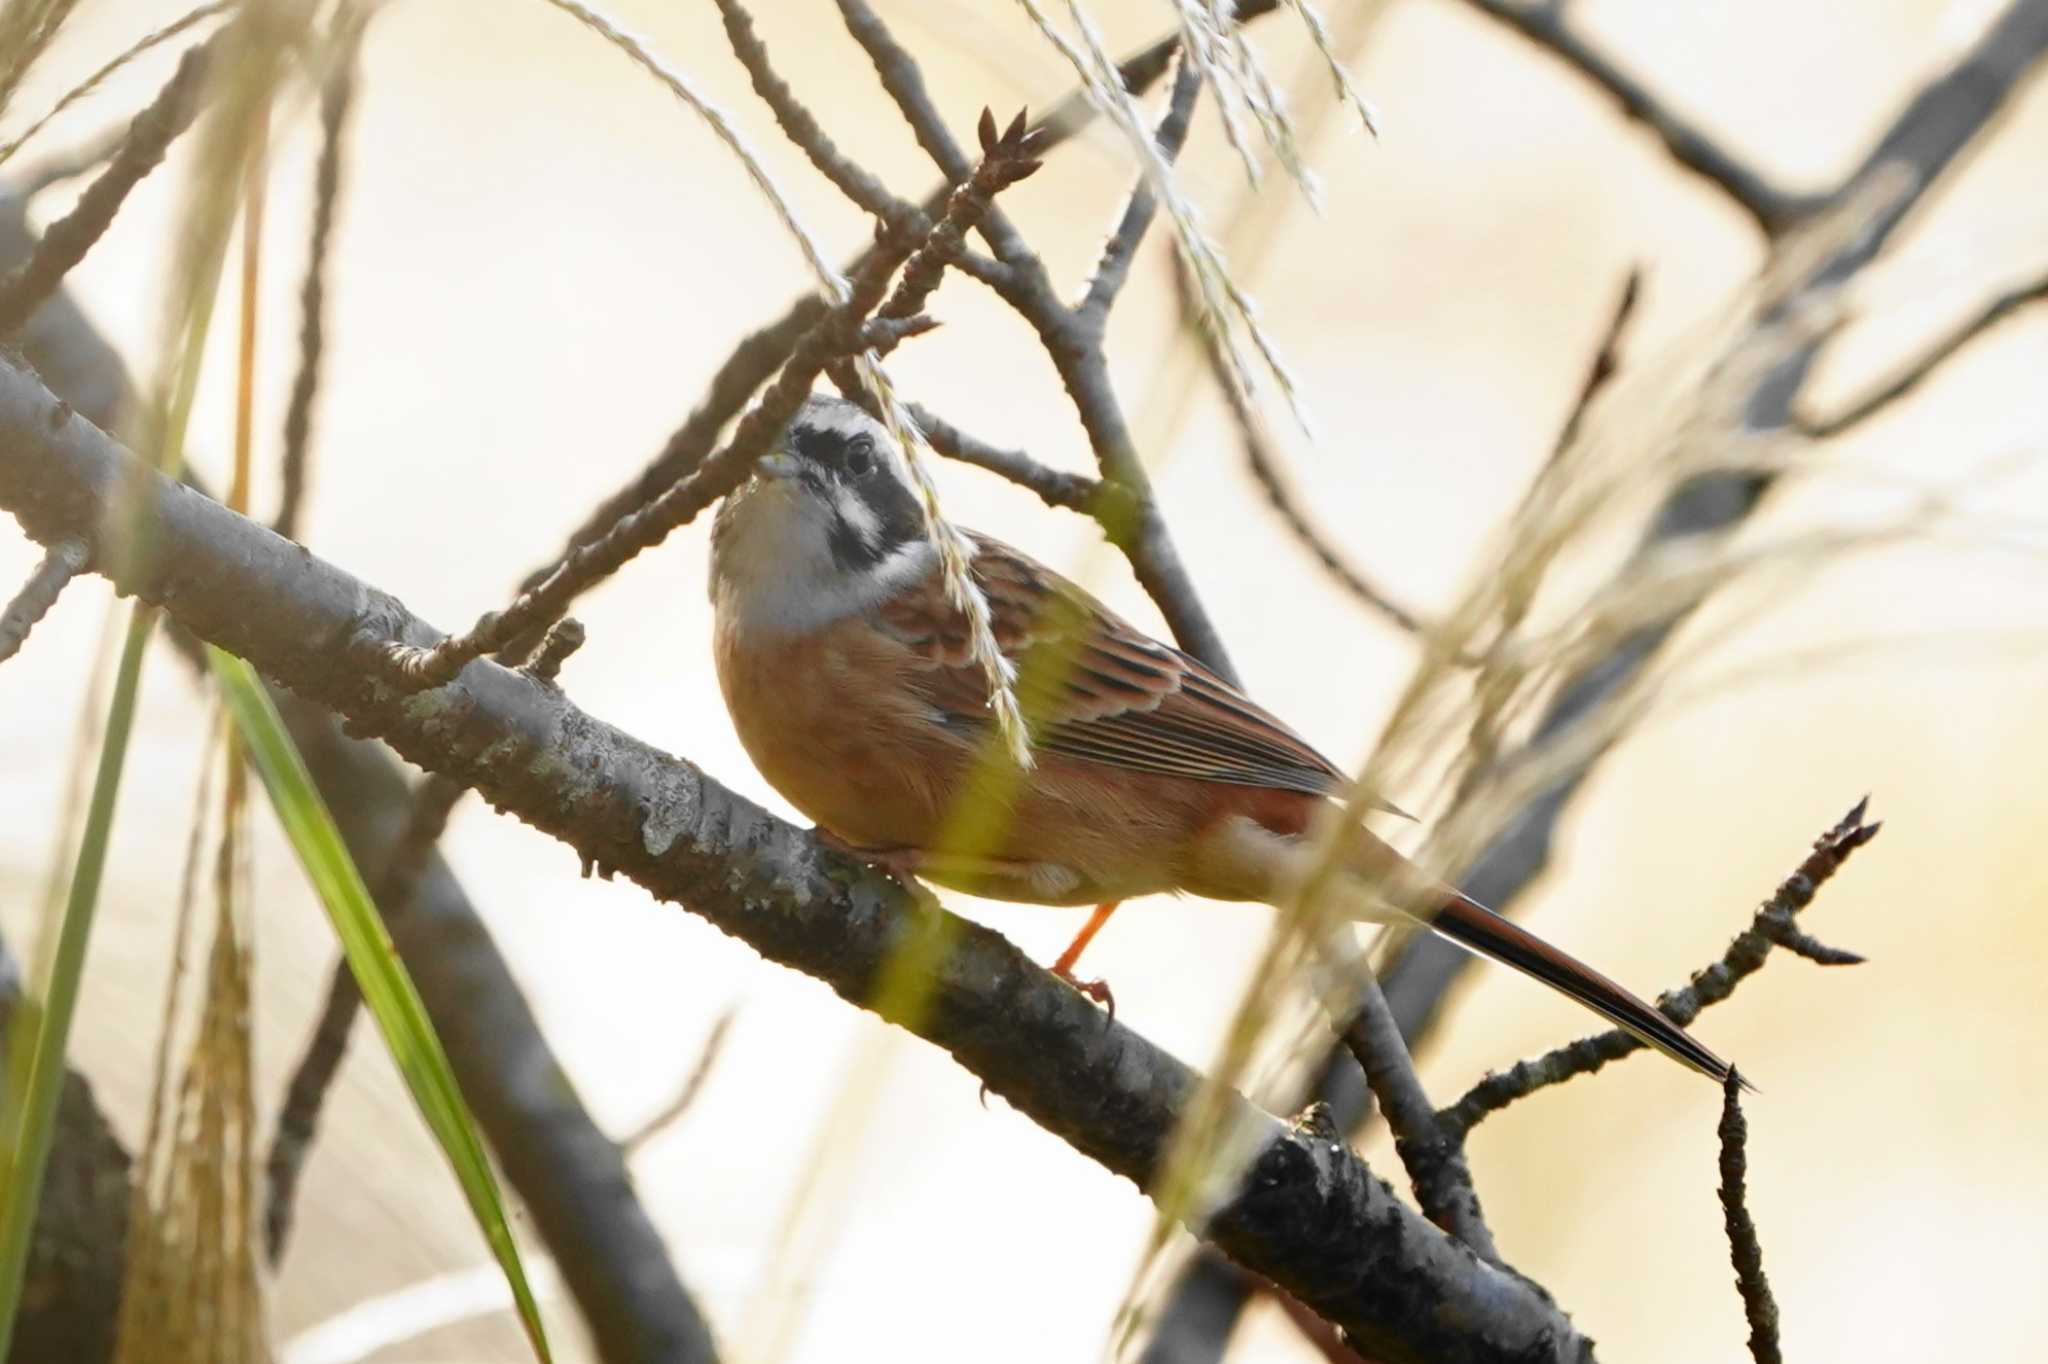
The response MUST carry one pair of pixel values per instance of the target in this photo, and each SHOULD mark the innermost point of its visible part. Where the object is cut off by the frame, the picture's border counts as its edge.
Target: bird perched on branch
(849, 675)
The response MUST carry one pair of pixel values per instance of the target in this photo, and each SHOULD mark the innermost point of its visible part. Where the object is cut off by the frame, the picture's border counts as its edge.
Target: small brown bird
(848, 674)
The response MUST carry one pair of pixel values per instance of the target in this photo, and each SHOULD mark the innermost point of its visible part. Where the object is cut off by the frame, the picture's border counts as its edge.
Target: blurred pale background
(541, 257)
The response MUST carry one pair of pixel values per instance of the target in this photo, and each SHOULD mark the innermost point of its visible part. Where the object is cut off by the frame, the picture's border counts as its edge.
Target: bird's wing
(1094, 687)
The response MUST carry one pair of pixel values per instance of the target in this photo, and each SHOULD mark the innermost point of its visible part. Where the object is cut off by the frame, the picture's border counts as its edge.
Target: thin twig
(1054, 487)
(298, 1120)
(337, 97)
(1606, 362)
(147, 42)
(29, 285)
(757, 356)
(1911, 377)
(1744, 957)
(1549, 27)
(1007, 157)
(65, 561)
(1433, 1155)
(1129, 517)
(1744, 1250)
(647, 526)
(1114, 267)
(852, 179)
(687, 1092)
(904, 83)
(1264, 463)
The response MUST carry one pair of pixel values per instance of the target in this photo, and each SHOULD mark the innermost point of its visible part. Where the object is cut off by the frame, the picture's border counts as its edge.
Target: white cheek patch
(852, 509)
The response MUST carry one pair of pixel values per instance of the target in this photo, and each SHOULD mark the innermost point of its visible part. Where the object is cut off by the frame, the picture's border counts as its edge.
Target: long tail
(1476, 928)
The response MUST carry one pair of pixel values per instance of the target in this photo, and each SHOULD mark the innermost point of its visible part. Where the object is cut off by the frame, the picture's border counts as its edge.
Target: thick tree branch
(71, 1288)
(1308, 1214)
(568, 1173)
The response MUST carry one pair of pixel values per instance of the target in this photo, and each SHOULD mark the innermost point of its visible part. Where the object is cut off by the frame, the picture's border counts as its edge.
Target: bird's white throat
(773, 571)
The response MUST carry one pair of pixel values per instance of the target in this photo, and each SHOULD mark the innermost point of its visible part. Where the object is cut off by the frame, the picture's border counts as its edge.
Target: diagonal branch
(1549, 26)
(29, 285)
(569, 1175)
(1307, 1214)
(1911, 377)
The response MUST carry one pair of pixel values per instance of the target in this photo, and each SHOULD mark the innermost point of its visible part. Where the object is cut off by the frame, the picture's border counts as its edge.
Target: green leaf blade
(386, 986)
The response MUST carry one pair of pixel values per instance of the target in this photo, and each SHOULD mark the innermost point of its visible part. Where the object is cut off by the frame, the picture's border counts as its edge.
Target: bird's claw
(1097, 990)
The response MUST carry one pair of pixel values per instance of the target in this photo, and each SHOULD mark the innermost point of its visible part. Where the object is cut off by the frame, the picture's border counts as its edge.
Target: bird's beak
(777, 466)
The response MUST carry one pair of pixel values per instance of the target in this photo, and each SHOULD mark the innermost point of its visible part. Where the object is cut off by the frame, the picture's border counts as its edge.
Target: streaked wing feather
(1096, 688)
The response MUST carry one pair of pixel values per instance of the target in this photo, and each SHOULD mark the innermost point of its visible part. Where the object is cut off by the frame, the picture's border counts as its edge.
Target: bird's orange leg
(1063, 966)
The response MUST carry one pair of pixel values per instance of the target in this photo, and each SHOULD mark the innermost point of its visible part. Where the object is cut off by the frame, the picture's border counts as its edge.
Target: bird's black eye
(860, 456)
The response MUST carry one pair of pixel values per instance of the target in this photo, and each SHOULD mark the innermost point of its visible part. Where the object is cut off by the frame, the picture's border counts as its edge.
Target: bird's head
(828, 522)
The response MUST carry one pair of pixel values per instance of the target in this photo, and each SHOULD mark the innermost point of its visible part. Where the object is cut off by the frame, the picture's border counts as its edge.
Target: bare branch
(65, 561)
(1055, 487)
(1744, 957)
(687, 1092)
(1434, 1155)
(852, 179)
(832, 336)
(905, 85)
(1115, 266)
(1911, 377)
(1264, 463)
(1549, 26)
(1307, 1214)
(1744, 1250)
(29, 285)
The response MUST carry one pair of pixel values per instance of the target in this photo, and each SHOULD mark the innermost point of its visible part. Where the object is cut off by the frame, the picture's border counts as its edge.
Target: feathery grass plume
(1534, 628)
(1225, 308)
(1213, 39)
(1199, 42)
(1347, 89)
(190, 1288)
(257, 40)
(27, 28)
(130, 53)
(955, 552)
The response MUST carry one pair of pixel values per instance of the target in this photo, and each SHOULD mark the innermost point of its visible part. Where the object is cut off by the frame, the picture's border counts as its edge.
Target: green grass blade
(386, 987)
(50, 1017)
